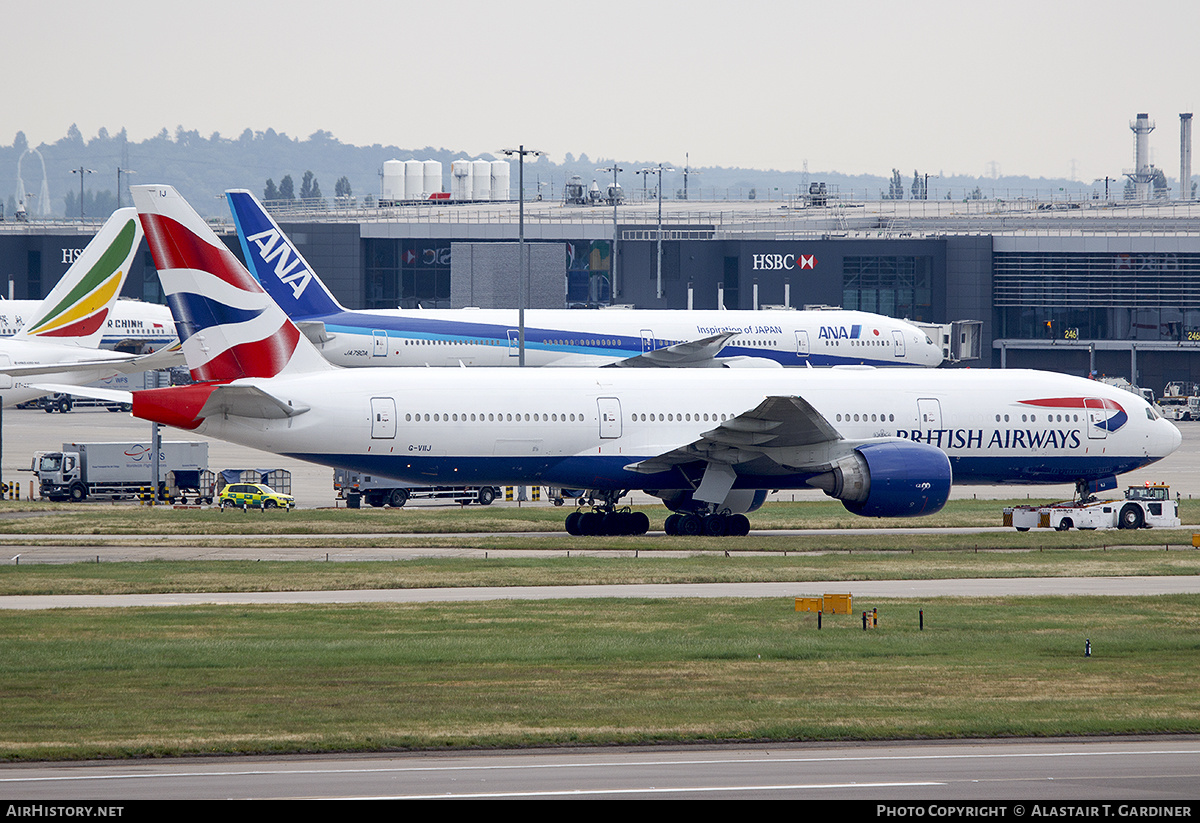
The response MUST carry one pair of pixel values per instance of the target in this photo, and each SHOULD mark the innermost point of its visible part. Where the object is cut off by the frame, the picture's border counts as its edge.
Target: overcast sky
(1022, 87)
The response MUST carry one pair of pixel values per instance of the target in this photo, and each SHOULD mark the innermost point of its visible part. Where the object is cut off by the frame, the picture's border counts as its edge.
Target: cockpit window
(1151, 414)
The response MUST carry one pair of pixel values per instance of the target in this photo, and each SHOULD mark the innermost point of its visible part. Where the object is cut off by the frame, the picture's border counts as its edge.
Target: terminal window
(894, 286)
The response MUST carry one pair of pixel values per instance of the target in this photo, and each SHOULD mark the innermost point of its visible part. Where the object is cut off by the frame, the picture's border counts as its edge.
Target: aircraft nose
(1174, 437)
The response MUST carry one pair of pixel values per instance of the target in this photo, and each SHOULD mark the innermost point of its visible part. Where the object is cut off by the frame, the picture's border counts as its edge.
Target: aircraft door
(610, 416)
(929, 411)
(381, 343)
(1097, 417)
(514, 342)
(647, 340)
(383, 418)
(802, 349)
(898, 341)
(5, 379)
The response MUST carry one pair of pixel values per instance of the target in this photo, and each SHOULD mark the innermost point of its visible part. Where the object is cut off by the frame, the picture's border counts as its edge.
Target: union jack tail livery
(75, 309)
(229, 327)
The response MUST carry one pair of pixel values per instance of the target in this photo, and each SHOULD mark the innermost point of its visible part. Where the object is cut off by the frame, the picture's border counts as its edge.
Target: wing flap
(248, 401)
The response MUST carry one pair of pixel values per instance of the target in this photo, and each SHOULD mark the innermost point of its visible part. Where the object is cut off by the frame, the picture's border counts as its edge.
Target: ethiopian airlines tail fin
(76, 309)
(276, 262)
(229, 327)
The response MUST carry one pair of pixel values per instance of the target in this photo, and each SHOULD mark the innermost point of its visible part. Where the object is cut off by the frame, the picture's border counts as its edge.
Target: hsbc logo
(784, 262)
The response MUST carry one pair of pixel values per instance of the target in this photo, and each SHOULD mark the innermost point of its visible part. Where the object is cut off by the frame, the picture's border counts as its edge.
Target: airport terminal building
(1107, 287)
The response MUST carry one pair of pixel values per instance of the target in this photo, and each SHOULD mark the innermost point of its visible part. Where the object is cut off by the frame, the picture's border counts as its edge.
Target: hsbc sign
(787, 262)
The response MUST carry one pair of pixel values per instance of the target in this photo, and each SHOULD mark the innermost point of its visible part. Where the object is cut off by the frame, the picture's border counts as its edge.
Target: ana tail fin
(77, 307)
(276, 262)
(229, 327)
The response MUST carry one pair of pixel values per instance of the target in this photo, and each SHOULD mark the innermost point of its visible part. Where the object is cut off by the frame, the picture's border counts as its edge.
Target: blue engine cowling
(895, 478)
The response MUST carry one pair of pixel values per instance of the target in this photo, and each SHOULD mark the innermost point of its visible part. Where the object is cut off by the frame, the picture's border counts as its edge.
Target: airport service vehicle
(254, 496)
(710, 445)
(119, 470)
(353, 486)
(1144, 507)
(564, 337)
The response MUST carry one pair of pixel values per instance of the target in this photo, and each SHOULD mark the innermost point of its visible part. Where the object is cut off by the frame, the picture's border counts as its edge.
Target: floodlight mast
(614, 168)
(659, 169)
(522, 263)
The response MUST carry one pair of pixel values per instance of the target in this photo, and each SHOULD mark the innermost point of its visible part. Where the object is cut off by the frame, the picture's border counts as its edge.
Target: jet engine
(889, 479)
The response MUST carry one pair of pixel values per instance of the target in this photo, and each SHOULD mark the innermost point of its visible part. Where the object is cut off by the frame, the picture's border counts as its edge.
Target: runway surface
(1127, 774)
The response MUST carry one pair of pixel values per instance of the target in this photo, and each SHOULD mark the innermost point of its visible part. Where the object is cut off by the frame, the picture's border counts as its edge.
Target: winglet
(229, 327)
(276, 262)
(77, 307)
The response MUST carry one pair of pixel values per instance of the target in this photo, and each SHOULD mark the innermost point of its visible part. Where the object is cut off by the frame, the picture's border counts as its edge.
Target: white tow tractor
(1144, 507)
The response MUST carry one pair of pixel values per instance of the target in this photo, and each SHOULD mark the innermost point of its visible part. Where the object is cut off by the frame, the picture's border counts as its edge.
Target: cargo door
(610, 416)
(383, 418)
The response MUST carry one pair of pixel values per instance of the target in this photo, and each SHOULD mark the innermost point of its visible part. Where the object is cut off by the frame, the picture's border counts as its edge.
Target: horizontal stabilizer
(94, 392)
(248, 401)
(315, 331)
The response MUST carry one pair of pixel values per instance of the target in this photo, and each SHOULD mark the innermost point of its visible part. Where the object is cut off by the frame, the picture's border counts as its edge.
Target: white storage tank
(500, 180)
(460, 180)
(433, 177)
(481, 180)
(393, 181)
(414, 179)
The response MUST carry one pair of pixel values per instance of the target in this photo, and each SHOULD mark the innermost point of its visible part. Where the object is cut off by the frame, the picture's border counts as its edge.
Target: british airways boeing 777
(886, 442)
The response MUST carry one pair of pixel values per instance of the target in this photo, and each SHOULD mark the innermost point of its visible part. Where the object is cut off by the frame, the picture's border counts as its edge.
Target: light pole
(522, 263)
(121, 171)
(659, 169)
(613, 193)
(81, 171)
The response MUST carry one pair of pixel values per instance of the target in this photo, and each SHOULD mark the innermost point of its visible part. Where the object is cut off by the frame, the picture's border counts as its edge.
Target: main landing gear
(717, 524)
(605, 519)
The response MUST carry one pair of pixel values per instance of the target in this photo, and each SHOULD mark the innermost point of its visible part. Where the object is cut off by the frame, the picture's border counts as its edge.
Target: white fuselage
(36, 354)
(148, 324)
(565, 337)
(581, 428)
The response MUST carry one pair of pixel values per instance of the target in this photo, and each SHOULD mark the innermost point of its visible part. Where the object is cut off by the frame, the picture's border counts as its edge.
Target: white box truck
(116, 470)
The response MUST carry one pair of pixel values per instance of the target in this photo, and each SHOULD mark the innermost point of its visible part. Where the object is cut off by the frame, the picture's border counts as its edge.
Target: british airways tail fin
(229, 327)
(77, 307)
(276, 262)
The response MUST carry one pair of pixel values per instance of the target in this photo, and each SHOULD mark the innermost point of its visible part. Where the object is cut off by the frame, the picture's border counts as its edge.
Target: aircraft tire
(572, 523)
(640, 523)
(591, 524)
(715, 525)
(738, 526)
(671, 526)
(691, 526)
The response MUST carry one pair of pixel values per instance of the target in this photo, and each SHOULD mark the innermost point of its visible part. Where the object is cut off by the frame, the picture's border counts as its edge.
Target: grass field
(80, 683)
(142, 682)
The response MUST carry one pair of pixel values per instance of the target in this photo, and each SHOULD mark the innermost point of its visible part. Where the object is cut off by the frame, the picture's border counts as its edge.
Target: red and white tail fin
(229, 327)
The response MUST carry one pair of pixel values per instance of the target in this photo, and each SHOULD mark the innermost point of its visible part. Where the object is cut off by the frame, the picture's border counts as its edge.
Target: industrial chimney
(1141, 174)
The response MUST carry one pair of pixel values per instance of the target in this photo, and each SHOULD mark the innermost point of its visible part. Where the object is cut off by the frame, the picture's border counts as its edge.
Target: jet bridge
(961, 340)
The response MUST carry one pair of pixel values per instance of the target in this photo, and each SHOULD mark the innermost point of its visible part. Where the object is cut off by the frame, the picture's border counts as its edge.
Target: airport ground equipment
(1144, 507)
(354, 487)
(117, 470)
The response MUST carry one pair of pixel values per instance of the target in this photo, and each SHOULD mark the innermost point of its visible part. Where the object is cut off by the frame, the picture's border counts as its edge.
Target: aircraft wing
(113, 365)
(164, 358)
(778, 428)
(247, 401)
(689, 354)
